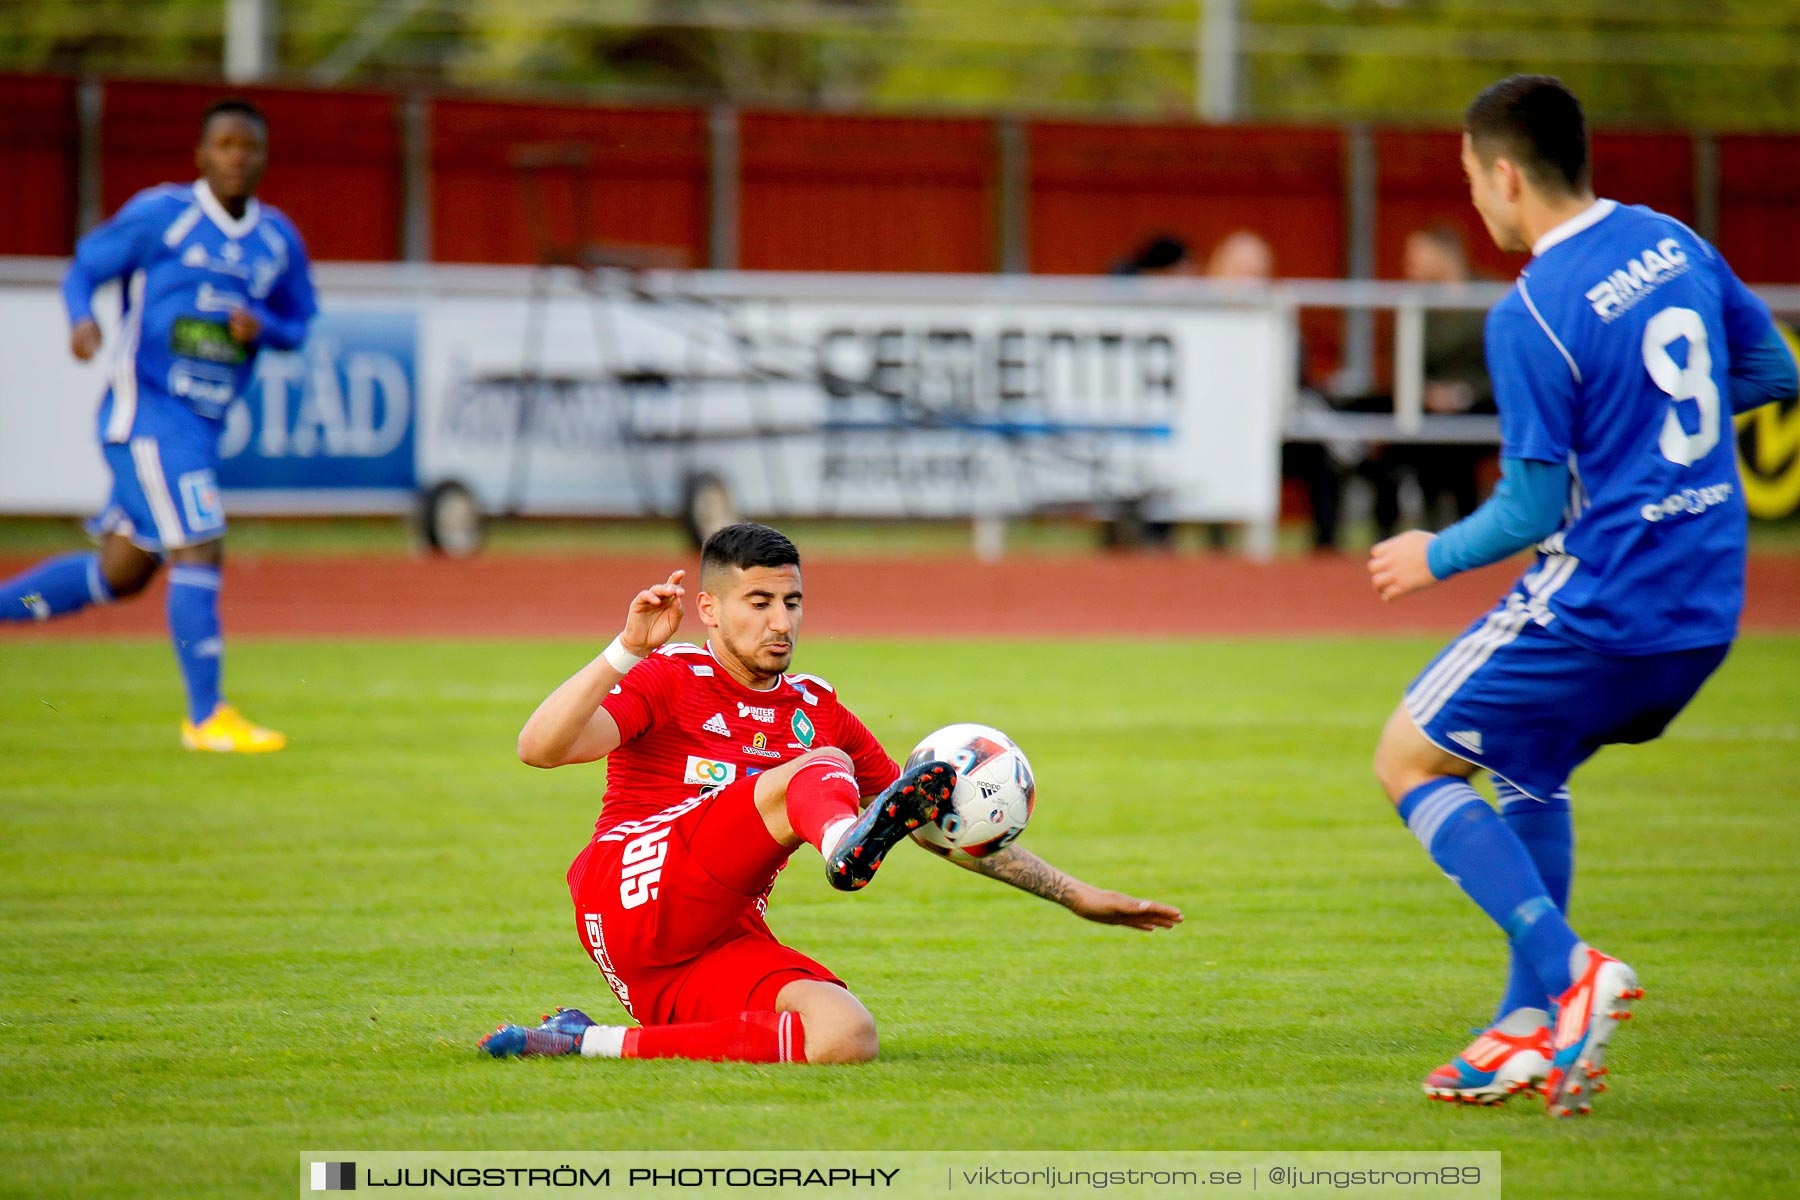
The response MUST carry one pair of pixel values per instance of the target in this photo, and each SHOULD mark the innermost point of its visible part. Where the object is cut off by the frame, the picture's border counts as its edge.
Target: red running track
(1102, 596)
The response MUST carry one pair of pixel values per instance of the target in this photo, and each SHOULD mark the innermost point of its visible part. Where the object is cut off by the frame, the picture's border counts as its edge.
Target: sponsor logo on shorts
(765, 715)
(596, 940)
(200, 497)
(1468, 739)
(709, 772)
(804, 732)
(640, 867)
(716, 724)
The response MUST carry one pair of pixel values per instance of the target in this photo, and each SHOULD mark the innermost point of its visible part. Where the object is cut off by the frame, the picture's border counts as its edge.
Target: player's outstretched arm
(111, 250)
(570, 726)
(1027, 872)
(1401, 564)
(1525, 509)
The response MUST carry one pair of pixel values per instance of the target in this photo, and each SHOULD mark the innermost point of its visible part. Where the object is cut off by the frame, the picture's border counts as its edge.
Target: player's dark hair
(235, 106)
(1537, 123)
(747, 545)
(1158, 254)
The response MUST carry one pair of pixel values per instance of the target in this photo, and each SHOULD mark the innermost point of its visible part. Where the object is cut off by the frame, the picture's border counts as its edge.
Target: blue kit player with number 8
(210, 277)
(1618, 360)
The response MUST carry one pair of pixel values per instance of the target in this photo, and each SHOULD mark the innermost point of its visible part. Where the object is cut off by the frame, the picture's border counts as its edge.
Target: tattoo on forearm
(1026, 871)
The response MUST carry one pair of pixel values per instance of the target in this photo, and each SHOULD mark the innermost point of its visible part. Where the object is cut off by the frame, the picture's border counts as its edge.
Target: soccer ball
(993, 796)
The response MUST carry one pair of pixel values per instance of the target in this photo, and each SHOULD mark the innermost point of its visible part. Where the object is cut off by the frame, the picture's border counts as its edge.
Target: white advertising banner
(872, 409)
(49, 459)
(802, 395)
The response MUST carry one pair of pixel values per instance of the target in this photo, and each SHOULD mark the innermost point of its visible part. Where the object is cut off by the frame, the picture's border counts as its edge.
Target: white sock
(603, 1041)
(1578, 962)
(1521, 1021)
(834, 833)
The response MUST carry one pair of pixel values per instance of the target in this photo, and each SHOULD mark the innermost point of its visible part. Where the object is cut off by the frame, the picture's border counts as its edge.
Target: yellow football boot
(226, 732)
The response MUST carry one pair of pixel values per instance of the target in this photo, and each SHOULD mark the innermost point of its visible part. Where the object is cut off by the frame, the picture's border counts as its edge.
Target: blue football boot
(568, 1020)
(516, 1041)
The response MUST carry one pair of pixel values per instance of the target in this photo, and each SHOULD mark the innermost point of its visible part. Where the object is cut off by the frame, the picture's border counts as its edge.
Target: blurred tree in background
(1708, 64)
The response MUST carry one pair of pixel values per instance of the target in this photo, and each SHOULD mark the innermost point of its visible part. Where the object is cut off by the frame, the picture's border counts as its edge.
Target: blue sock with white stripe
(1547, 831)
(54, 588)
(194, 629)
(1469, 841)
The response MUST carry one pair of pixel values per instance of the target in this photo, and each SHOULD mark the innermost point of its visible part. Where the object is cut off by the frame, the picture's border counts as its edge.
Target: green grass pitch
(211, 964)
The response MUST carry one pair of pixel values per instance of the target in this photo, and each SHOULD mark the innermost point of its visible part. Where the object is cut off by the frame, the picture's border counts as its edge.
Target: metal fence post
(1361, 182)
(723, 166)
(90, 111)
(1706, 186)
(1409, 368)
(250, 39)
(1014, 199)
(415, 177)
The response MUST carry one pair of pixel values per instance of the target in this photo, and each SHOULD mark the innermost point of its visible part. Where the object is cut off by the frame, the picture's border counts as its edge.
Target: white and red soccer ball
(994, 791)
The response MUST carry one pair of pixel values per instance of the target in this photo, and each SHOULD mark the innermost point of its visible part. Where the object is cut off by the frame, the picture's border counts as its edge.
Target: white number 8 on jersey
(1692, 382)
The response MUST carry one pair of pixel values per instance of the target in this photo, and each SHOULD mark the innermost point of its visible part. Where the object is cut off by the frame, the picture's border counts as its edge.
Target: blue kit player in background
(210, 277)
(1618, 360)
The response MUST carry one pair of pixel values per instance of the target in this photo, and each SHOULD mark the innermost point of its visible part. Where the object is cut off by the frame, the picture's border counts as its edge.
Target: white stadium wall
(806, 394)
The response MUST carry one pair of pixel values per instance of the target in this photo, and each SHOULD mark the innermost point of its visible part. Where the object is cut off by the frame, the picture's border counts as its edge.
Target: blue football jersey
(1612, 354)
(187, 263)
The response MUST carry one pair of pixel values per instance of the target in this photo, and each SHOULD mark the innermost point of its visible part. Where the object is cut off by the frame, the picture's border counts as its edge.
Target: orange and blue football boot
(1492, 1067)
(1587, 1016)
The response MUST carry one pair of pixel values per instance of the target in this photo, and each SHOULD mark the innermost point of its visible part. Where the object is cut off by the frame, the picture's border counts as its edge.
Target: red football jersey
(687, 727)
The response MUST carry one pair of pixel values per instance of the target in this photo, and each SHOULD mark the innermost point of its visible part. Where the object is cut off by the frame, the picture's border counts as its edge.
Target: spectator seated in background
(1456, 382)
(1456, 378)
(1245, 256)
(1162, 254)
(1242, 255)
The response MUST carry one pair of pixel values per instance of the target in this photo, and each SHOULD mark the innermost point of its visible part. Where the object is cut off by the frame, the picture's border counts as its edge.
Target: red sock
(819, 796)
(763, 1037)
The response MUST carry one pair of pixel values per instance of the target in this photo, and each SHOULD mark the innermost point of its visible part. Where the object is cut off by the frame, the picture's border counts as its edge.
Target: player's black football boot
(907, 803)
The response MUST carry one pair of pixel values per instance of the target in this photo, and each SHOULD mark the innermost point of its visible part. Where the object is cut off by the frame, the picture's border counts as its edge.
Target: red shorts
(675, 943)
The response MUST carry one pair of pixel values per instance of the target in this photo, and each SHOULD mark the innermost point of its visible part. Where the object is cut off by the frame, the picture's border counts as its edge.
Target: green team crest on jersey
(803, 729)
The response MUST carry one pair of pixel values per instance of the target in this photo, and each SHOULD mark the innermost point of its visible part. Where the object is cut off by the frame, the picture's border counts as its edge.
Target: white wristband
(619, 658)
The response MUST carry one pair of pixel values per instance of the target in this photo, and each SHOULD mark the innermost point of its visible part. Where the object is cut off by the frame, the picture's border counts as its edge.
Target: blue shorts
(164, 459)
(1512, 697)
